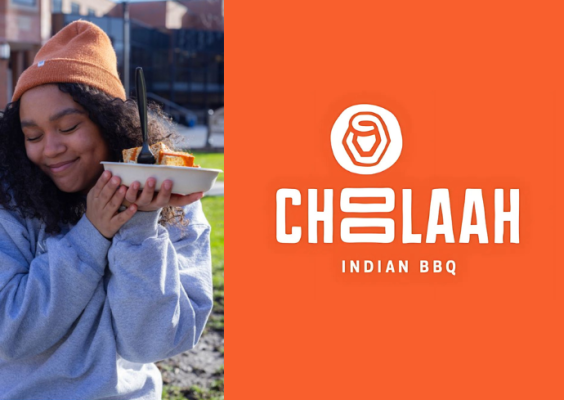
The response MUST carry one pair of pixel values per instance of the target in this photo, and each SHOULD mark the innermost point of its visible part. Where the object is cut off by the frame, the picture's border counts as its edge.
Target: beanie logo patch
(40, 63)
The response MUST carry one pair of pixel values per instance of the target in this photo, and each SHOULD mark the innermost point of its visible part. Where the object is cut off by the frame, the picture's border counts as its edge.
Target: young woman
(91, 295)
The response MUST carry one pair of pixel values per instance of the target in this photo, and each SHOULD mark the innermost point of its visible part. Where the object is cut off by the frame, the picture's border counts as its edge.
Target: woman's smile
(61, 166)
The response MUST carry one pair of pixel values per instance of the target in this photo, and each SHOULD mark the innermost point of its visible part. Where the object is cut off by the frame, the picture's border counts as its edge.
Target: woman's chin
(69, 187)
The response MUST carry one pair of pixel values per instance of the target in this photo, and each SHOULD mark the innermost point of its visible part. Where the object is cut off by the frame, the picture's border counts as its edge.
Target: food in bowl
(163, 156)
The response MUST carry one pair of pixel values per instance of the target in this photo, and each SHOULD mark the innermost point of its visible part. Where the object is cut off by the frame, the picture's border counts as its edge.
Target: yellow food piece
(171, 160)
(163, 155)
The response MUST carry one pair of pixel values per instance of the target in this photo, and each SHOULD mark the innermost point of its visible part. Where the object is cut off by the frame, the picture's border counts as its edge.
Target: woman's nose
(54, 145)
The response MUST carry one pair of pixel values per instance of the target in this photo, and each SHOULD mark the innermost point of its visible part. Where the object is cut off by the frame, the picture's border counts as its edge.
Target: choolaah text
(440, 203)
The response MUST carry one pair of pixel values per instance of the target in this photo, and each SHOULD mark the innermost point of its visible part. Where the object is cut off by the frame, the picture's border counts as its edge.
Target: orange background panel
(478, 91)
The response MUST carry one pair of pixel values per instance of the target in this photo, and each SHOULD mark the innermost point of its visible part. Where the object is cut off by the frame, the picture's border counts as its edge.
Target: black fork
(145, 156)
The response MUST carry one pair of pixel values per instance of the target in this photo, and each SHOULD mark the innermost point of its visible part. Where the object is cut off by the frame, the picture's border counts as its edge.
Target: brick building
(178, 43)
(23, 29)
(206, 15)
(203, 14)
(25, 25)
(96, 8)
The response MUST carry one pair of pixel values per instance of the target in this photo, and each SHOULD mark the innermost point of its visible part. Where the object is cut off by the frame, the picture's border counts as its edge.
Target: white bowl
(186, 180)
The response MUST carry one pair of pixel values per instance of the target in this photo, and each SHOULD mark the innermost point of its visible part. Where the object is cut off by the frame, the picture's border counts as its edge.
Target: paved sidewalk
(216, 190)
(195, 138)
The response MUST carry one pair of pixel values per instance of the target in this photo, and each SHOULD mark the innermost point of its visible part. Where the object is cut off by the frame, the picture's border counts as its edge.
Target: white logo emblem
(366, 139)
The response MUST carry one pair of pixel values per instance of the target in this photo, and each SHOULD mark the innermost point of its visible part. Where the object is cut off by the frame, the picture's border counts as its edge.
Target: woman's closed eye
(69, 129)
(34, 138)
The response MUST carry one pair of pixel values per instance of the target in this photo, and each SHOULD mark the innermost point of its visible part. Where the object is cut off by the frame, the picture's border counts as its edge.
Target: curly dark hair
(26, 189)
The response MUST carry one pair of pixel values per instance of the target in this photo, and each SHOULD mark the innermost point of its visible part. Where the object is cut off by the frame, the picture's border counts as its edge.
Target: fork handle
(142, 101)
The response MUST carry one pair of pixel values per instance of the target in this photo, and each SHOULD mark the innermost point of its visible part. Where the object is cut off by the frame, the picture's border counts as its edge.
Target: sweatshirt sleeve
(41, 297)
(160, 289)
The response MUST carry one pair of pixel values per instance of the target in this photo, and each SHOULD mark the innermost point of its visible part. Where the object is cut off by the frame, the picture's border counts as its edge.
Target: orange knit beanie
(79, 53)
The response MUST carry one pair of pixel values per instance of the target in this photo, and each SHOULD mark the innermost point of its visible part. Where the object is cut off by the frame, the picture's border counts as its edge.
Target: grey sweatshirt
(82, 317)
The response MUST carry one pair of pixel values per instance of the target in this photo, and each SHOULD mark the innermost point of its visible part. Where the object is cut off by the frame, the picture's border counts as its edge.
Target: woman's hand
(103, 202)
(147, 200)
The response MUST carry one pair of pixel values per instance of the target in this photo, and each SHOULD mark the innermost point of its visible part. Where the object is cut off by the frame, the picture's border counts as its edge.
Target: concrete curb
(216, 190)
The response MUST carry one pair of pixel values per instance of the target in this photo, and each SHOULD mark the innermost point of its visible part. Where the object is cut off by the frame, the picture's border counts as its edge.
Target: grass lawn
(210, 160)
(213, 208)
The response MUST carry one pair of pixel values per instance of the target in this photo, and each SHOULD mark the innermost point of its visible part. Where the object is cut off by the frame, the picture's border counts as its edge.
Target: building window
(57, 6)
(75, 8)
(91, 12)
(30, 3)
